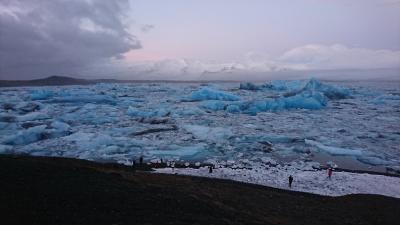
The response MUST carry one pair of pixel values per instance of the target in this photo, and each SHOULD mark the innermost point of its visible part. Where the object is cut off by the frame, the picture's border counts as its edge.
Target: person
(290, 181)
(210, 169)
(330, 170)
(141, 160)
(134, 165)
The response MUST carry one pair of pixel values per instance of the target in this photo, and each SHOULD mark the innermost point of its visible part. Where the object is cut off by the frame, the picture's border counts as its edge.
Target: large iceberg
(330, 91)
(206, 93)
(313, 95)
(285, 85)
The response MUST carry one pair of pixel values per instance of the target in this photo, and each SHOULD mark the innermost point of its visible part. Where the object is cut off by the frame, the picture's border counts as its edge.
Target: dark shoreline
(44, 190)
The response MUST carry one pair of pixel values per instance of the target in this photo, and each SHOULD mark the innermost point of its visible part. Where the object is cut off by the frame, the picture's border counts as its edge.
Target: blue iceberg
(211, 94)
(134, 112)
(214, 105)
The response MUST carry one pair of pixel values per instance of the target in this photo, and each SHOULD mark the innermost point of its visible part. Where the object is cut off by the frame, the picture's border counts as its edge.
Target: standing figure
(210, 169)
(330, 170)
(134, 165)
(141, 160)
(290, 181)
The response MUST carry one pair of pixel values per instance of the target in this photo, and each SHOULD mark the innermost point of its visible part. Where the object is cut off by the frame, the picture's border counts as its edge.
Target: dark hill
(49, 81)
(39, 190)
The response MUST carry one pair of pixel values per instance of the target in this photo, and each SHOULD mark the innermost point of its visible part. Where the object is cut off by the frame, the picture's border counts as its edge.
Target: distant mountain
(62, 80)
(51, 81)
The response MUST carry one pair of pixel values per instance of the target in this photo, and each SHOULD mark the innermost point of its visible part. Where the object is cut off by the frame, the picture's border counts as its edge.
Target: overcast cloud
(43, 37)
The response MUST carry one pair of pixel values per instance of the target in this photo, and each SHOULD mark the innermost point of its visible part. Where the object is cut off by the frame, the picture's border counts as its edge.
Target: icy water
(355, 125)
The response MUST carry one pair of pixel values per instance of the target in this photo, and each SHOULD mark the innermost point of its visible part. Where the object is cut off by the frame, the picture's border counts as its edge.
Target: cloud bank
(42, 37)
(253, 65)
(340, 57)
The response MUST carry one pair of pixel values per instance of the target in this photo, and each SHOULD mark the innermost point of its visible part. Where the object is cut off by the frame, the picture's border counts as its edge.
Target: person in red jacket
(330, 170)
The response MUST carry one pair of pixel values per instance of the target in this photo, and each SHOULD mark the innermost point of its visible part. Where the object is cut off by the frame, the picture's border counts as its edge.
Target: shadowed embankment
(40, 190)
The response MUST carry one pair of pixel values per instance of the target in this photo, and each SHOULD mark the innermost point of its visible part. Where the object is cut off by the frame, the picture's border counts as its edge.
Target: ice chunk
(6, 117)
(27, 136)
(213, 105)
(334, 150)
(188, 112)
(60, 126)
(41, 94)
(5, 148)
(330, 91)
(59, 129)
(183, 152)
(268, 138)
(374, 160)
(89, 141)
(98, 99)
(26, 107)
(285, 85)
(33, 116)
(90, 114)
(216, 134)
(249, 86)
(383, 99)
(132, 111)
(303, 100)
(233, 108)
(206, 93)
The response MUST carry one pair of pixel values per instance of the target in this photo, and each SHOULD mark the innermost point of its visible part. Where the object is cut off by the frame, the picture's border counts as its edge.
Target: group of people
(330, 171)
(210, 169)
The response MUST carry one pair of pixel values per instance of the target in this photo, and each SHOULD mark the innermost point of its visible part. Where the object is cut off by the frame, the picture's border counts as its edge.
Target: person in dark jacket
(290, 181)
(134, 165)
(210, 169)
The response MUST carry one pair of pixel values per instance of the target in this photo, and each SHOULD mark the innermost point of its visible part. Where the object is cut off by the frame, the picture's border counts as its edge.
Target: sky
(189, 40)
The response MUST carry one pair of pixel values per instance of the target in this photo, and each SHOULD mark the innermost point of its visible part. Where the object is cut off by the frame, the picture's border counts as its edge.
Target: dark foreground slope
(67, 191)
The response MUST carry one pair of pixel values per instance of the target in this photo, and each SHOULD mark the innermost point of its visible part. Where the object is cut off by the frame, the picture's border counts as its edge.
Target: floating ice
(33, 116)
(188, 112)
(41, 94)
(27, 136)
(214, 105)
(249, 86)
(303, 100)
(233, 108)
(215, 134)
(5, 148)
(268, 138)
(285, 85)
(383, 99)
(183, 152)
(314, 95)
(97, 99)
(105, 126)
(134, 112)
(58, 129)
(334, 150)
(206, 93)
(330, 91)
